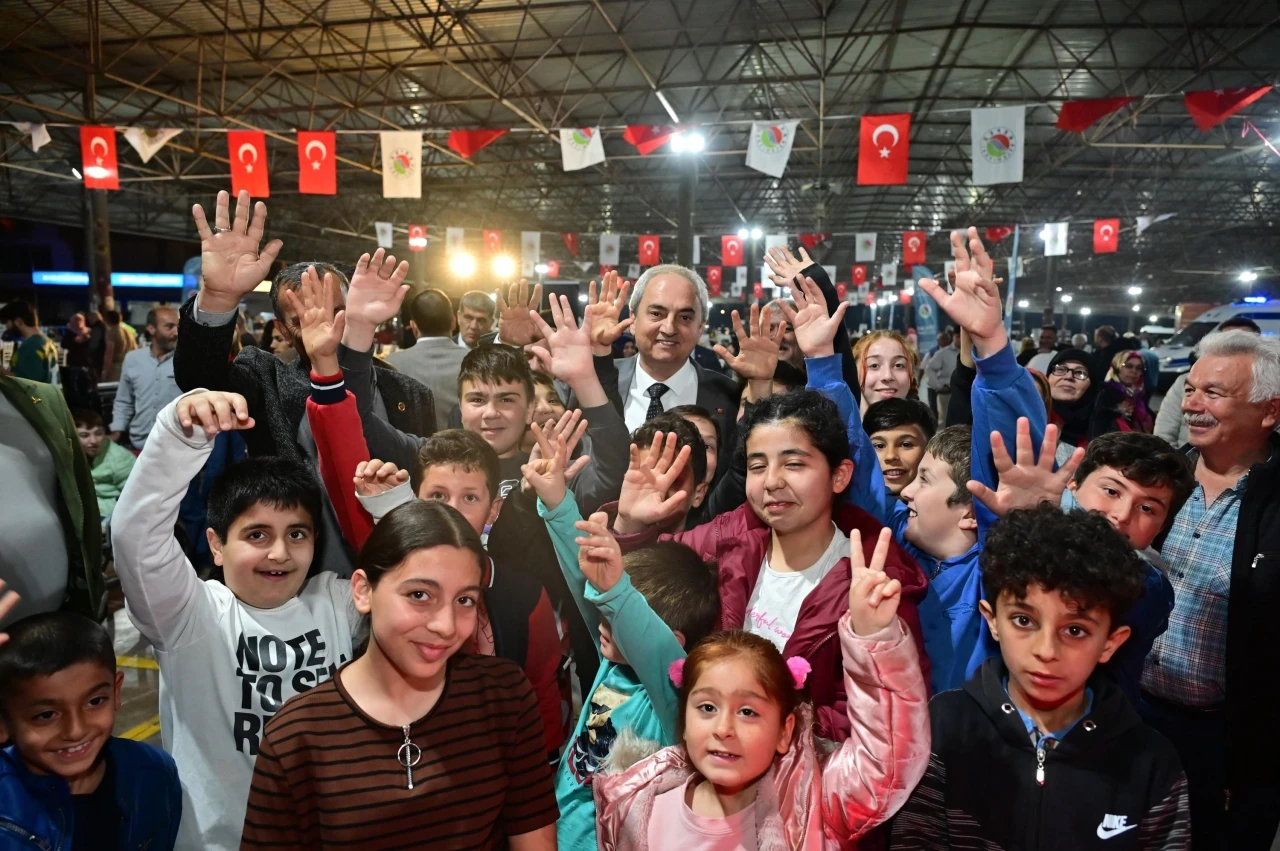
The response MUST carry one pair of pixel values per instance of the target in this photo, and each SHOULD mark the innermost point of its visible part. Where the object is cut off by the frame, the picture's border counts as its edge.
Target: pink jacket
(817, 795)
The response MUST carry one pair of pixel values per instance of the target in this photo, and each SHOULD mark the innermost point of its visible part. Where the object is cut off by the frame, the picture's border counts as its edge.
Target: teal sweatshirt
(636, 698)
(110, 471)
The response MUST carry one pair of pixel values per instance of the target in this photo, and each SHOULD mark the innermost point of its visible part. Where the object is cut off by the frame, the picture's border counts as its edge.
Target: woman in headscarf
(1122, 404)
(1074, 389)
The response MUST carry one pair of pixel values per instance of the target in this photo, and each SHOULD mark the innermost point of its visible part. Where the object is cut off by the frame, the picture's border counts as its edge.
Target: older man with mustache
(1210, 680)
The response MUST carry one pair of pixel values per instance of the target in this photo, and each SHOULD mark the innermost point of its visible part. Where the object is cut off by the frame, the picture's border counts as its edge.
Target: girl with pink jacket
(750, 773)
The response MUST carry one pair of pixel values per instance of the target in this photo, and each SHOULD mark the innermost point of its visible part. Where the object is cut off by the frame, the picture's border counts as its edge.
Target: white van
(1175, 354)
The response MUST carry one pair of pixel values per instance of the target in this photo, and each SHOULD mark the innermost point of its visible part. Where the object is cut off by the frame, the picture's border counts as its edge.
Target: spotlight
(1066, 299)
(743, 233)
(1248, 276)
(756, 233)
(582, 299)
(504, 268)
(1135, 290)
(541, 268)
(1085, 311)
(1057, 289)
(1024, 304)
(1153, 318)
(1137, 307)
(462, 264)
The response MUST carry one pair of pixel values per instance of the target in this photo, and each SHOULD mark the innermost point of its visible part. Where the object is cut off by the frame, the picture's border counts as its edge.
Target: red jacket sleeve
(542, 667)
(335, 424)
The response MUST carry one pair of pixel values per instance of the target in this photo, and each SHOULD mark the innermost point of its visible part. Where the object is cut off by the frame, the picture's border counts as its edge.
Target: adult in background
(78, 377)
(477, 314)
(937, 371)
(274, 340)
(434, 358)
(1170, 423)
(1122, 401)
(1209, 681)
(35, 355)
(1039, 359)
(789, 351)
(120, 340)
(1107, 343)
(1074, 388)
(146, 380)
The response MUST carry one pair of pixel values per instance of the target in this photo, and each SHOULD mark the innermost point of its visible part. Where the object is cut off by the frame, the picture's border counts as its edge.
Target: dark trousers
(1247, 821)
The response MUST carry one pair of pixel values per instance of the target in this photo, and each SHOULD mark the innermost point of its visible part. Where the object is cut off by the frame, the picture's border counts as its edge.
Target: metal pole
(684, 214)
(97, 224)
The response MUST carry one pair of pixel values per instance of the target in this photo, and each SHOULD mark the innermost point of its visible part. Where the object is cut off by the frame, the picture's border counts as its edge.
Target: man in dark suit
(435, 358)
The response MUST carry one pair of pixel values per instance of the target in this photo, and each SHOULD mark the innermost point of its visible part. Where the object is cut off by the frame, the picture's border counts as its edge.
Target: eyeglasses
(1079, 373)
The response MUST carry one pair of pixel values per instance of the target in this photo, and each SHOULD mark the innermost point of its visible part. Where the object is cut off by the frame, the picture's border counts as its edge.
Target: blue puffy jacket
(36, 810)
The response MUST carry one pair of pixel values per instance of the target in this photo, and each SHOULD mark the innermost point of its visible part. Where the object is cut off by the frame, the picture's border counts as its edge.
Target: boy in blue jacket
(936, 519)
(65, 781)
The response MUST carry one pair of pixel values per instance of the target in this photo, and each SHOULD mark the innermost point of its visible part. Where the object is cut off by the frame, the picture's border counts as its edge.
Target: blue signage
(61, 279)
(118, 279)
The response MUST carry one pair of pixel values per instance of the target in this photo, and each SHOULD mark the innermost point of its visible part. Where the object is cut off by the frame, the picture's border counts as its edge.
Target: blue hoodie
(956, 639)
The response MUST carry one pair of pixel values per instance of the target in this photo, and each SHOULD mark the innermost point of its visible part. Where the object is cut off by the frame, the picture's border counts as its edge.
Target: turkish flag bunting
(997, 233)
(904, 297)
(757, 289)
(248, 152)
(1106, 236)
(1079, 115)
(1211, 108)
(731, 250)
(648, 138)
(467, 143)
(811, 240)
(649, 243)
(842, 290)
(98, 152)
(553, 268)
(492, 241)
(713, 277)
(417, 237)
(859, 275)
(570, 242)
(871, 299)
(913, 247)
(317, 163)
(882, 149)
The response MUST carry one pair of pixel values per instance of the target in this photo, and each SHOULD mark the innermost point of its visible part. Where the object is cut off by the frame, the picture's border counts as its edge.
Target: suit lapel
(626, 374)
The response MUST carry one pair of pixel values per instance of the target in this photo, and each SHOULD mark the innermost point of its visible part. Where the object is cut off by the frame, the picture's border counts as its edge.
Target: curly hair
(809, 411)
(1078, 554)
(766, 662)
(864, 344)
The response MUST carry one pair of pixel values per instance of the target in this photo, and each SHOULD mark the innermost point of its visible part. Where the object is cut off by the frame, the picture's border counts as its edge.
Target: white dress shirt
(682, 389)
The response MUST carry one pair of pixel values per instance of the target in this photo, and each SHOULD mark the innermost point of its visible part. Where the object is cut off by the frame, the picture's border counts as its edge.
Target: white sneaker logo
(1114, 826)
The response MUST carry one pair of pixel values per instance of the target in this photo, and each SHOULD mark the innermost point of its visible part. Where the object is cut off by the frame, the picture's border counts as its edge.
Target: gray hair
(479, 302)
(1264, 351)
(699, 287)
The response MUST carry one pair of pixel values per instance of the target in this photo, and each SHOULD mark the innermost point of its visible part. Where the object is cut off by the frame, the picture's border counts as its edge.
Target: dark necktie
(655, 393)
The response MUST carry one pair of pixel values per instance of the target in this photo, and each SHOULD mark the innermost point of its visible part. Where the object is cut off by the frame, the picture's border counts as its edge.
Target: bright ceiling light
(582, 299)
(76, 172)
(1046, 234)
(1057, 289)
(1024, 304)
(743, 233)
(1135, 290)
(1085, 311)
(1066, 299)
(504, 268)
(462, 264)
(756, 233)
(1137, 307)
(1248, 276)
(541, 268)
(1153, 318)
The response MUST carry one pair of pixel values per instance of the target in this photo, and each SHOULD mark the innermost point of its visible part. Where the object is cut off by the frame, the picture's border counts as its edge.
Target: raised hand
(601, 315)
(215, 411)
(377, 289)
(646, 499)
(815, 330)
(230, 261)
(375, 476)
(599, 556)
(320, 326)
(565, 351)
(873, 596)
(9, 600)
(514, 307)
(757, 356)
(783, 265)
(545, 472)
(975, 302)
(567, 430)
(1029, 482)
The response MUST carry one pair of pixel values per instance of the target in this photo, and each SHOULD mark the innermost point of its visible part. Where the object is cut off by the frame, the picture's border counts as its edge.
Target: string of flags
(997, 138)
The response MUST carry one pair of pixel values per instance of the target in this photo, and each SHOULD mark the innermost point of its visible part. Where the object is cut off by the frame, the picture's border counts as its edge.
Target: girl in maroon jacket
(783, 556)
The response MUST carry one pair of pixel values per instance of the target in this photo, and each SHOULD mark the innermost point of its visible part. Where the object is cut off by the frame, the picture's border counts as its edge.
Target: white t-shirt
(776, 600)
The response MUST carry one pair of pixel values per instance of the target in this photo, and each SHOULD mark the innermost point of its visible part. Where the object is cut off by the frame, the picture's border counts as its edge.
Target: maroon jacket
(738, 541)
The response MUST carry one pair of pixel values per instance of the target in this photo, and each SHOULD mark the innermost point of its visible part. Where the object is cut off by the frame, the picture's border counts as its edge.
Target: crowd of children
(756, 633)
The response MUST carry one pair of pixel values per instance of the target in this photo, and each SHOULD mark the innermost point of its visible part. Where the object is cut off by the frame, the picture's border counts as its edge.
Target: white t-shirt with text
(776, 600)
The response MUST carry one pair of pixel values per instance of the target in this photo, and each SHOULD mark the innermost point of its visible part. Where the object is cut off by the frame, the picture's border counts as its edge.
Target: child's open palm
(546, 473)
(1029, 482)
(646, 499)
(599, 556)
(815, 329)
(873, 596)
(318, 322)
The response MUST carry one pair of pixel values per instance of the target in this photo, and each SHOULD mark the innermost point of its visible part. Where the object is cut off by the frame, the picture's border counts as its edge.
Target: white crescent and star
(1107, 231)
(248, 164)
(649, 245)
(885, 128)
(324, 152)
(914, 243)
(93, 147)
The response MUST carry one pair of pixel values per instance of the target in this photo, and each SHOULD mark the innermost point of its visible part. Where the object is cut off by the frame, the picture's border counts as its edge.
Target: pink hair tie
(676, 672)
(800, 668)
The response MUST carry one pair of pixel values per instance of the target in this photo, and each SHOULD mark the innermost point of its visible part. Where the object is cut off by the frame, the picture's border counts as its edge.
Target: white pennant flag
(146, 141)
(1145, 222)
(831, 273)
(999, 139)
(609, 249)
(865, 249)
(401, 164)
(697, 250)
(453, 239)
(584, 265)
(385, 238)
(775, 240)
(769, 146)
(889, 275)
(38, 132)
(740, 282)
(1055, 239)
(633, 270)
(530, 251)
(581, 147)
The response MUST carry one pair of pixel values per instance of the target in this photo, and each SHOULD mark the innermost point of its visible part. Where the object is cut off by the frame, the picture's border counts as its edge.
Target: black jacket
(1113, 783)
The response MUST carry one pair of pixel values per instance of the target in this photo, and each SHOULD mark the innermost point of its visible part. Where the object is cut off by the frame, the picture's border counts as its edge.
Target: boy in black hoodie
(1039, 751)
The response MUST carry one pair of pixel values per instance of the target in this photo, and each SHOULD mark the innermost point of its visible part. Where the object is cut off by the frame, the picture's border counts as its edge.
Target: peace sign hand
(230, 262)
(873, 596)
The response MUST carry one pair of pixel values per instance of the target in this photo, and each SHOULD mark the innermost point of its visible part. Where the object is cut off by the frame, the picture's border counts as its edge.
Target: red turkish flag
(98, 156)
(1078, 116)
(731, 250)
(492, 241)
(859, 275)
(1106, 236)
(248, 152)
(570, 242)
(811, 240)
(647, 138)
(913, 247)
(417, 237)
(997, 233)
(553, 268)
(1209, 109)
(649, 243)
(904, 297)
(713, 277)
(883, 148)
(469, 142)
(871, 299)
(317, 163)
(757, 289)
(842, 290)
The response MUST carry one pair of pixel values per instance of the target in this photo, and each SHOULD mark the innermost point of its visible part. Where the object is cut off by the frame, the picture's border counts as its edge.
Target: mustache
(1200, 420)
